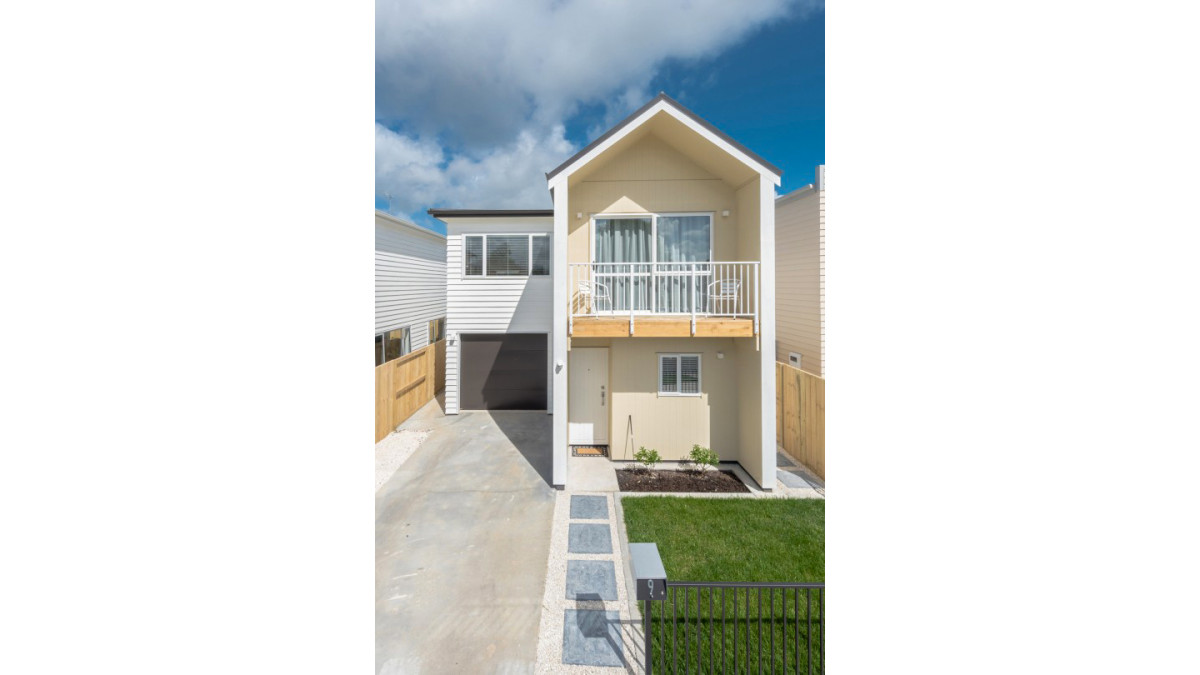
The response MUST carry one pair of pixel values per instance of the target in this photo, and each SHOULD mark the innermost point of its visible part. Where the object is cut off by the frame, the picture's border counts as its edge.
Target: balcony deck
(668, 299)
(647, 326)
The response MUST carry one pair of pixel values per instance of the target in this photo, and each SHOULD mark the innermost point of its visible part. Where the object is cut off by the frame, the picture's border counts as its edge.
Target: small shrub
(649, 458)
(703, 458)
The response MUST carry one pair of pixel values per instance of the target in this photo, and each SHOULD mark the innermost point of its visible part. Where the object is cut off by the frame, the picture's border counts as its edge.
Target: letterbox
(649, 576)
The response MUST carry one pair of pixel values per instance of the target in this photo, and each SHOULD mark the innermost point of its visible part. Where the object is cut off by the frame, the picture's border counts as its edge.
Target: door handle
(602, 396)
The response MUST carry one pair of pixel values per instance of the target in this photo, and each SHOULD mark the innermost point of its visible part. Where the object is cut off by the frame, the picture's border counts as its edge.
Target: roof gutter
(491, 213)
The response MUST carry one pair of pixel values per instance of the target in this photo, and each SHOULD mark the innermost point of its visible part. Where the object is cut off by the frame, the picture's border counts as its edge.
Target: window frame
(384, 337)
(483, 274)
(712, 231)
(679, 356)
(441, 333)
(482, 255)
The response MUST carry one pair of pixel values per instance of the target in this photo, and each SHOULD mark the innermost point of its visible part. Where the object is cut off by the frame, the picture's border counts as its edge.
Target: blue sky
(475, 122)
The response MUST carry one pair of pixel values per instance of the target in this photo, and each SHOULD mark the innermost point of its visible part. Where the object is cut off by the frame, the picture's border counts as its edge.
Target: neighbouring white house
(640, 310)
(499, 303)
(410, 287)
(800, 277)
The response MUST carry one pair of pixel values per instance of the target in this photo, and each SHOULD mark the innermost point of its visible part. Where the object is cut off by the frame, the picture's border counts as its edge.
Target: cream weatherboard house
(639, 311)
(800, 277)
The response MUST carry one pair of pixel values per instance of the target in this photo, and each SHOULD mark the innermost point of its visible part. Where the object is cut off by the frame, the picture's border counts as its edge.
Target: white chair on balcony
(722, 292)
(591, 293)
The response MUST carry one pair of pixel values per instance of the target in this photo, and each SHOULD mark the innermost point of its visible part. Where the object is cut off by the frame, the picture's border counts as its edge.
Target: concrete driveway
(462, 532)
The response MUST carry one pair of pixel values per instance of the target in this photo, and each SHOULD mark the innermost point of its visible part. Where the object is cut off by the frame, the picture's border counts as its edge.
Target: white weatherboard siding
(492, 304)
(800, 278)
(410, 277)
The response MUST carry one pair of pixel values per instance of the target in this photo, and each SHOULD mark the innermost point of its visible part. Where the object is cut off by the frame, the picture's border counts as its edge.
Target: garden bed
(641, 480)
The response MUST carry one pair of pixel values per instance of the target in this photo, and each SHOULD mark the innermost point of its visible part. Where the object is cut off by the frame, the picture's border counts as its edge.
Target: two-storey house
(639, 311)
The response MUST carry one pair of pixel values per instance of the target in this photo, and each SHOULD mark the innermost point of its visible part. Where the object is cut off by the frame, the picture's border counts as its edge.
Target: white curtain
(682, 239)
(624, 240)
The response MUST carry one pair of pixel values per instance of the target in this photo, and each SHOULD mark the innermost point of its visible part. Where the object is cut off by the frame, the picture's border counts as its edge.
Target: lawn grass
(753, 540)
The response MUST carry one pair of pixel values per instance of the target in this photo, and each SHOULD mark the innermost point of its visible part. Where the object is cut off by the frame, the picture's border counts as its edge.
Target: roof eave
(491, 213)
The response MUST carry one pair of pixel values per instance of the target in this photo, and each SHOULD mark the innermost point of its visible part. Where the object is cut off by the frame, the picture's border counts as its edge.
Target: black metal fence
(703, 627)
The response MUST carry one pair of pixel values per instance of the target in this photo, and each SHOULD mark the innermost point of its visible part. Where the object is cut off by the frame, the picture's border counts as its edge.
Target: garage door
(503, 372)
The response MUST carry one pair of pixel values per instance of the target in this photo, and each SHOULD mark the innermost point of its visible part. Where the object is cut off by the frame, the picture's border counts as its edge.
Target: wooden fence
(405, 384)
(800, 415)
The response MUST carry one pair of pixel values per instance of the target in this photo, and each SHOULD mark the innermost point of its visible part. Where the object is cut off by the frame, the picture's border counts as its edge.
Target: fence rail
(800, 415)
(405, 384)
(729, 627)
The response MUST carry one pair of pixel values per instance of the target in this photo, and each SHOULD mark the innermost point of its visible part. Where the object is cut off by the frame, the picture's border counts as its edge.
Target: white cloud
(482, 89)
(415, 174)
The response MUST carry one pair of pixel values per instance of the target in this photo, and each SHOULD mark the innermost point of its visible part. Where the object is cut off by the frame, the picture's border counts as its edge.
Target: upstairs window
(506, 255)
(679, 374)
(540, 255)
(473, 255)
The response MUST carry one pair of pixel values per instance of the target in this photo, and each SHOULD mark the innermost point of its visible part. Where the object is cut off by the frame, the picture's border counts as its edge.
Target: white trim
(559, 450)
(766, 330)
(664, 107)
(678, 356)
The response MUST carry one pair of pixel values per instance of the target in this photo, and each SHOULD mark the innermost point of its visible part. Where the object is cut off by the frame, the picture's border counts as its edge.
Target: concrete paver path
(462, 533)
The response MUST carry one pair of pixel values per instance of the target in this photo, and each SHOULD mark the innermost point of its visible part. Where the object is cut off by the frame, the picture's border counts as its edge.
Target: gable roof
(662, 97)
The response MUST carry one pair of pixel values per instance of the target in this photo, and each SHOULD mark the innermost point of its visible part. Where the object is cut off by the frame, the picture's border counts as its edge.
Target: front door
(588, 393)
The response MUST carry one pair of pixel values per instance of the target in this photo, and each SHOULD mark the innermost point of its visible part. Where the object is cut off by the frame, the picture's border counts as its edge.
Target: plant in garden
(648, 458)
(704, 458)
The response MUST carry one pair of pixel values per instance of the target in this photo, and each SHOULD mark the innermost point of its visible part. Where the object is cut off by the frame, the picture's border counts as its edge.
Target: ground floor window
(392, 345)
(437, 330)
(679, 374)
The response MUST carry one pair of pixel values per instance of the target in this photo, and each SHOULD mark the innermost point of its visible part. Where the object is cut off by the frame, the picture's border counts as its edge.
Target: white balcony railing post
(693, 299)
(755, 272)
(629, 283)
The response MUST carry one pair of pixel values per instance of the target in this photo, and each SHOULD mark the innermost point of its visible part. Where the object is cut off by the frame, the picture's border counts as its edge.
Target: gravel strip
(554, 602)
(393, 451)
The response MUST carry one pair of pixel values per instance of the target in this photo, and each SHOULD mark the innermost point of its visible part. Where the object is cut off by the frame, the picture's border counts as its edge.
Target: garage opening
(503, 372)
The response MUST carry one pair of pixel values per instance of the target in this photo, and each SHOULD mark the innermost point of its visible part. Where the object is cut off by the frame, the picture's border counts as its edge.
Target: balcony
(701, 299)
